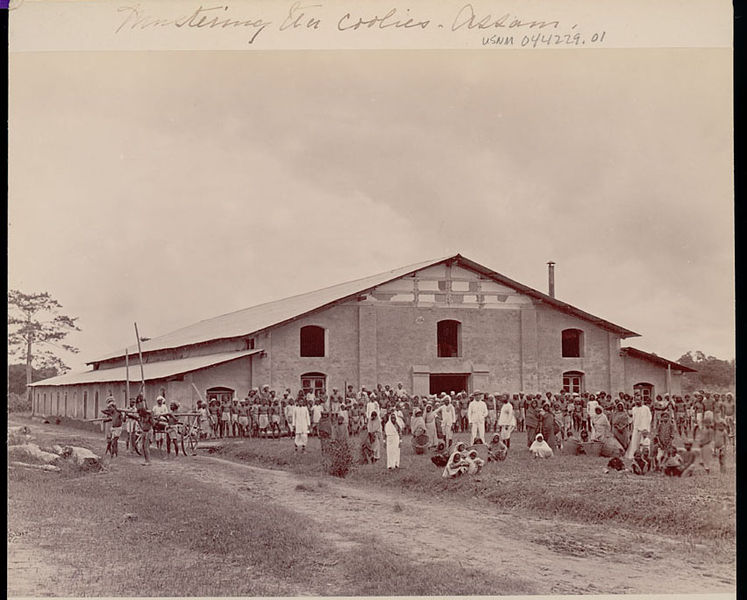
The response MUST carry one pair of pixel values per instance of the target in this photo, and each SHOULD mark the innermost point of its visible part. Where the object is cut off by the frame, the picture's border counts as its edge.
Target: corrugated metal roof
(248, 321)
(156, 370)
(653, 358)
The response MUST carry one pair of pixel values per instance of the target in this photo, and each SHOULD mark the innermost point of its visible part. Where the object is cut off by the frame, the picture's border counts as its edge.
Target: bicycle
(190, 433)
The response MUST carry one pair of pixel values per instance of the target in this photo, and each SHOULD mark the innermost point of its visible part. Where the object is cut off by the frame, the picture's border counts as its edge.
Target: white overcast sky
(165, 188)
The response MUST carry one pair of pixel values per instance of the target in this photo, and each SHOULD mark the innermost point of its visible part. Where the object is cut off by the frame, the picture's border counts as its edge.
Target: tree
(34, 320)
(712, 373)
(17, 377)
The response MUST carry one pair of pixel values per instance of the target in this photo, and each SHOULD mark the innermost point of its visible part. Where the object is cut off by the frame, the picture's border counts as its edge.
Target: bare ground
(557, 556)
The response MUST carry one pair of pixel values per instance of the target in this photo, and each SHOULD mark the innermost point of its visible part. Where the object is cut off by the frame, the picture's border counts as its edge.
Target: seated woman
(474, 463)
(540, 448)
(497, 450)
(456, 466)
(440, 455)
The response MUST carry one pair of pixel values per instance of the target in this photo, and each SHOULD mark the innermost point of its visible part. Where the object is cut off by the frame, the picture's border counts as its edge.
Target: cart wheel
(189, 443)
(138, 441)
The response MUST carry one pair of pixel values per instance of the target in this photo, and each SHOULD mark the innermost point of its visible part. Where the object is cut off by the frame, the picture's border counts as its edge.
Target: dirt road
(561, 557)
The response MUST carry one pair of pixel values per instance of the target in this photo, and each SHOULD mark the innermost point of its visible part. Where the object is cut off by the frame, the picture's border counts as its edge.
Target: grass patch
(147, 532)
(568, 487)
(181, 539)
(377, 572)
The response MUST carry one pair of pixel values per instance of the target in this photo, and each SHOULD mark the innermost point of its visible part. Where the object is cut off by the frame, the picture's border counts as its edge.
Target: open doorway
(449, 382)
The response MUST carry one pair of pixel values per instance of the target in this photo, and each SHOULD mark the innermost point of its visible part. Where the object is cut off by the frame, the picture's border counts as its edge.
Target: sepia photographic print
(370, 299)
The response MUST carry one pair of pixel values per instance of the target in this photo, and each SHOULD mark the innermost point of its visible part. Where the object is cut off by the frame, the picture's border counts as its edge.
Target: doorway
(221, 394)
(449, 382)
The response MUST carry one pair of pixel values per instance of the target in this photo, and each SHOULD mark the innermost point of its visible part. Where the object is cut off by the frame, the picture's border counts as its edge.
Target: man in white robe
(477, 411)
(301, 423)
(641, 420)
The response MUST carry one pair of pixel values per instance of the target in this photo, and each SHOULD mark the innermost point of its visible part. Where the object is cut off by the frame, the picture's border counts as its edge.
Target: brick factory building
(441, 325)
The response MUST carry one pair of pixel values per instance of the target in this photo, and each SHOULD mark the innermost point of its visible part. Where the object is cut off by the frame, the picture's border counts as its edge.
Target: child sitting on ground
(673, 463)
(641, 465)
(688, 460)
(474, 463)
(645, 445)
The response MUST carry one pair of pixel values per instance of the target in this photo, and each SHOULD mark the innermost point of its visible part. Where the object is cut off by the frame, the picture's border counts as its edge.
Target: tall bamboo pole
(127, 377)
(140, 356)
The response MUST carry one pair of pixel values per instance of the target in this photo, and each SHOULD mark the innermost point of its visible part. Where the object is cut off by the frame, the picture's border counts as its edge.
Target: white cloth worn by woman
(392, 445)
(540, 448)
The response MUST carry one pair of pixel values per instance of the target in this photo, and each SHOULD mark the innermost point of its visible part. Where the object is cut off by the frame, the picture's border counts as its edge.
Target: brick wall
(643, 371)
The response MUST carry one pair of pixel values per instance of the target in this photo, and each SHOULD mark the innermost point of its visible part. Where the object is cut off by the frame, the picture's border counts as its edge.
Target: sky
(169, 187)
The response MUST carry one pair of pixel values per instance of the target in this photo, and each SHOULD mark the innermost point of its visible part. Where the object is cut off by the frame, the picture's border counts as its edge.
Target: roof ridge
(396, 272)
(321, 289)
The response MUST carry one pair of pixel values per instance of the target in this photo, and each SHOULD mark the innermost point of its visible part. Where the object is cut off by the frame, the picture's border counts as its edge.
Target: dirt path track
(560, 557)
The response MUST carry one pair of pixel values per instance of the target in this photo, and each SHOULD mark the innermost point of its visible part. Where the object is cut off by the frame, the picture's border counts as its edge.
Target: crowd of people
(635, 427)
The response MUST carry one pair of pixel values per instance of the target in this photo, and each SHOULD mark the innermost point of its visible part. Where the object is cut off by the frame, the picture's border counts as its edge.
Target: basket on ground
(593, 448)
(420, 443)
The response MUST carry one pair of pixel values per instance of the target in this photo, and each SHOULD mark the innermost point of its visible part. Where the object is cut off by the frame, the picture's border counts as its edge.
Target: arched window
(314, 383)
(449, 334)
(312, 341)
(573, 382)
(572, 342)
(646, 389)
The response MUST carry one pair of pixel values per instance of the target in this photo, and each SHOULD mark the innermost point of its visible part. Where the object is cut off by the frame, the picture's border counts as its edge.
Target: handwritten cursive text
(211, 17)
(391, 19)
(469, 18)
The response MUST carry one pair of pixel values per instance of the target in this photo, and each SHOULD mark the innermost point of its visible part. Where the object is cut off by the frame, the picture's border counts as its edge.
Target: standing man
(448, 418)
(130, 426)
(160, 410)
(477, 411)
(290, 412)
(301, 424)
(591, 410)
(316, 416)
(506, 421)
(112, 426)
(641, 416)
(145, 417)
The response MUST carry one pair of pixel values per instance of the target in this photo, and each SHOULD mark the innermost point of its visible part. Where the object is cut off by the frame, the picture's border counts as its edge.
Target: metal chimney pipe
(551, 278)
